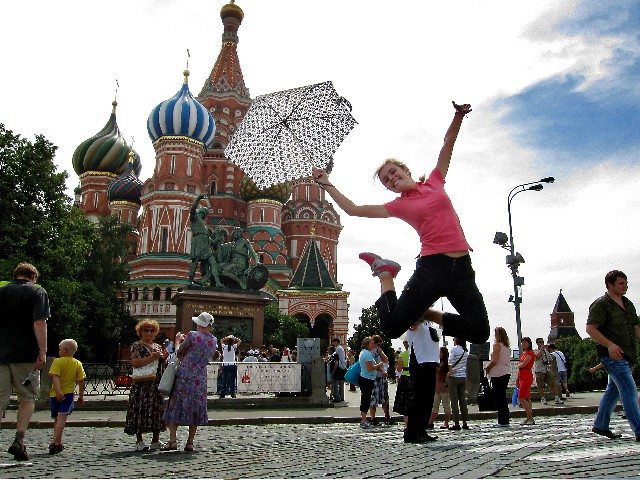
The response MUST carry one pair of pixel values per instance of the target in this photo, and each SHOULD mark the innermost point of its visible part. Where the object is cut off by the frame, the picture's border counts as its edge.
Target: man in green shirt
(613, 323)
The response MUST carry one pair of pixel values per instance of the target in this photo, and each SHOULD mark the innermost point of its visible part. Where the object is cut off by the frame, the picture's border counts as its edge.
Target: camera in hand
(29, 378)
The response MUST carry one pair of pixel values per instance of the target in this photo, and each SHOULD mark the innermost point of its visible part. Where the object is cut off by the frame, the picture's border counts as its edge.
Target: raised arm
(444, 159)
(370, 211)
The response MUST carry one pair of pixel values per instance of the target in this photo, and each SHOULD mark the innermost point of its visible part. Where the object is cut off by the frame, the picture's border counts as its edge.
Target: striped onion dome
(250, 191)
(182, 116)
(126, 187)
(107, 151)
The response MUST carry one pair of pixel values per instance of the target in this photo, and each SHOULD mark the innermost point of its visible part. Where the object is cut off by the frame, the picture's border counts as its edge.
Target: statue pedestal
(236, 312)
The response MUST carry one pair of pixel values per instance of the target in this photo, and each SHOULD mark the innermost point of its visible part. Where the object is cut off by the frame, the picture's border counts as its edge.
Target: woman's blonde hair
(501, 336)
(399, 164)
(365, 343)
(70, 345)
(147, 323)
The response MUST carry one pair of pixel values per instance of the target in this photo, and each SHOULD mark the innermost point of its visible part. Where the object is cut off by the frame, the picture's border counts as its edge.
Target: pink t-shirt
(429, 210)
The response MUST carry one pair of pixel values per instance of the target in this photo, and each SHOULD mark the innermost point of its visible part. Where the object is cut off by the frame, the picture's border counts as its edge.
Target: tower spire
(226, 75)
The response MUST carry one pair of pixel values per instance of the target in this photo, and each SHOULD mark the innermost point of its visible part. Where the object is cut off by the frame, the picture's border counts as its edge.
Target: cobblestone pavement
(556, 447)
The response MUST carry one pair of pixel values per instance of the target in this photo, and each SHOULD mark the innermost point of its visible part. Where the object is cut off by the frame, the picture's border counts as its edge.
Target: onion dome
(125, 187)
(231, 10)
(182, 116)
(107, 151)
(250, 191)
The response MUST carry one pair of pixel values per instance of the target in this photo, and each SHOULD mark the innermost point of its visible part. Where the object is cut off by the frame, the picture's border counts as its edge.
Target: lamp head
(547, 180)
(500, 239)
(537, 187)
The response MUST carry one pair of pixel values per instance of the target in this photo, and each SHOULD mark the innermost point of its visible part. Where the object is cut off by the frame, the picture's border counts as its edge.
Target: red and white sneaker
(379, 265)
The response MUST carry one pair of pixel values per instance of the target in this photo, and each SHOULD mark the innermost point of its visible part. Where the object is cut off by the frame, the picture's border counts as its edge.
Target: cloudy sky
(553, 85)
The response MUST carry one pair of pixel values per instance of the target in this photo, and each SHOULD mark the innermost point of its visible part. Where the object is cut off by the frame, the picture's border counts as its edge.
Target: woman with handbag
(187, 403)
(499, 369)
(145, 402)
(366, 380)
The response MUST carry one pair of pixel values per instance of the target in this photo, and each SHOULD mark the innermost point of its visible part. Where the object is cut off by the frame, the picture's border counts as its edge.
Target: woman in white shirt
(499, 369)
(457, 381)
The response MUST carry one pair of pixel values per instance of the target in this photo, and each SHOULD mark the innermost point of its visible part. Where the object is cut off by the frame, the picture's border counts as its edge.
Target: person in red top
(525, 379)
(444, 267)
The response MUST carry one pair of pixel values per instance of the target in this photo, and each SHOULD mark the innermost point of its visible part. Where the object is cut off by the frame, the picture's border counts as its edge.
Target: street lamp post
(514, 259)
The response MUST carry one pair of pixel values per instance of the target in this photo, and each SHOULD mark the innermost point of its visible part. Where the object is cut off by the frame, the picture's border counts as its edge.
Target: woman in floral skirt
(145, 402)
(187, 403)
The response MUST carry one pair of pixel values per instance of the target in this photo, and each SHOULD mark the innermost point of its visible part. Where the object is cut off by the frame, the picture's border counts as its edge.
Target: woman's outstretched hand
(463, 109)
(320, 176)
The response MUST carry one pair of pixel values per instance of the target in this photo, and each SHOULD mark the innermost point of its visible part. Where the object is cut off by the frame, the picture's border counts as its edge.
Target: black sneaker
(375, 422)
(389, 422)
(18, 450)
(420, 439)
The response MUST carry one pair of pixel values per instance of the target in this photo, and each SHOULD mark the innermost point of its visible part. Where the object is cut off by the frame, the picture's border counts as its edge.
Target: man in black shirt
(23, 346)
(613, 324)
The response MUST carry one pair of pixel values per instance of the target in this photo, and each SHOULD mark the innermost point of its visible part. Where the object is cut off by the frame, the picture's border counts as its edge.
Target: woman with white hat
(187, 403)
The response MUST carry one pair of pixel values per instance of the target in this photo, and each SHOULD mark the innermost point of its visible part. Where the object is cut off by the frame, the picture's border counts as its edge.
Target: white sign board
(260, 377)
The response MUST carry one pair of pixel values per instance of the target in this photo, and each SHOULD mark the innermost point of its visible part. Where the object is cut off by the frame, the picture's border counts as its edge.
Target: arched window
(156, 293)
(145, 293)
(167, 294)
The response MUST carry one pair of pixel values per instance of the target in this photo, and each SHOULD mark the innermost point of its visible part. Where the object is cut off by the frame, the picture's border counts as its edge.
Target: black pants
(499, 386)
(423, 388)
(438, 276)
(366, 389)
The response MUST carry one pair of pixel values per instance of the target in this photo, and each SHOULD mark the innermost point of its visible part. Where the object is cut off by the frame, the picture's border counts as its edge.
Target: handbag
(486, 397)
(339, 373)
(145, 373)
(165, 386)
(514, 397)
(352, 374)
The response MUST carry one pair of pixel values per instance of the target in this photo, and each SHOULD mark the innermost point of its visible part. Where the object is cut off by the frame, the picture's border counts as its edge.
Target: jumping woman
(444, 267)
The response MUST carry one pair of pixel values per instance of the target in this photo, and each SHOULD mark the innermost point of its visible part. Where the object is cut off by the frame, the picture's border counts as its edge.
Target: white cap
(204, 319)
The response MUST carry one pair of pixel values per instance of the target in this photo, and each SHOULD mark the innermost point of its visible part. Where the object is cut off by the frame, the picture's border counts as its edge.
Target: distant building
(562, 321)
(292, 227)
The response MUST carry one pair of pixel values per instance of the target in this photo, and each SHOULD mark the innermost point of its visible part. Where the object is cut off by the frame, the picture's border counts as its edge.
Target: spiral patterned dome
(125, 187)
(107, 151)
(250, 191)
(182, 116)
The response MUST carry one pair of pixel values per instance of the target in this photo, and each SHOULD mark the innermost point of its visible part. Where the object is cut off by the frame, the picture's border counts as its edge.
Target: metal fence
(115, 379)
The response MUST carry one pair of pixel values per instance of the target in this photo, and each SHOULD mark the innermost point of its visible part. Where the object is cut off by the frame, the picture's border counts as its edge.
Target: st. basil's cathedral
(291, 226)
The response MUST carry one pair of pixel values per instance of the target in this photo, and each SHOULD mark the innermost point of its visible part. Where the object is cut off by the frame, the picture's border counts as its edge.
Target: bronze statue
(218, 258)
(201, 243)
(235, 258)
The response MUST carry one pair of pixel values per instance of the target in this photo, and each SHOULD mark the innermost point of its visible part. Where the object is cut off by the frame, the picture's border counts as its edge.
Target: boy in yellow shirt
(65, 372)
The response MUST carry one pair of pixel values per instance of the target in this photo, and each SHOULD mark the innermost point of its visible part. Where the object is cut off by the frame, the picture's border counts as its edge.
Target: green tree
(81, 266)
(370, 325)
(32, 198)
(282, 330)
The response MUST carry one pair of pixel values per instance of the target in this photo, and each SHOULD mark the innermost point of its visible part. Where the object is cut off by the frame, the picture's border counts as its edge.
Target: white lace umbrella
(285, 133)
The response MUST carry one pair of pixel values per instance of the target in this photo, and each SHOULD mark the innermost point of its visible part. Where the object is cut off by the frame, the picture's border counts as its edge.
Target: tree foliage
(80, 265)
(32, 198)
(282, 330)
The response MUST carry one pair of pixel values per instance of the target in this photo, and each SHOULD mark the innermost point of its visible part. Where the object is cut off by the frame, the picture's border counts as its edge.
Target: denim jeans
(229, 378)
(621, 386)
(438, 276)
(336, 389)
